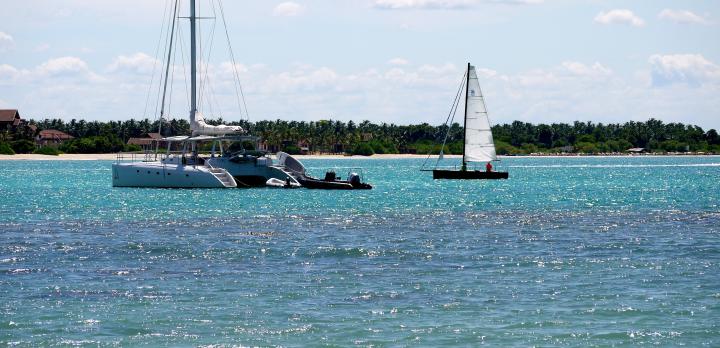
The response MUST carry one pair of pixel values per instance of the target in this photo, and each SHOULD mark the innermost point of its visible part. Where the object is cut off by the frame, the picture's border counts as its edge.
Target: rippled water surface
(568, 252)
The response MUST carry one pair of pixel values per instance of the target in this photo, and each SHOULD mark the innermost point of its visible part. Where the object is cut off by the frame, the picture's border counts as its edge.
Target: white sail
(200, 127)
(479, 146)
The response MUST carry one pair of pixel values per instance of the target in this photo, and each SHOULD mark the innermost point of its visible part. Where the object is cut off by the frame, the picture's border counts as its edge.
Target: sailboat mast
(167, 67)
(193, 61)
(467, 91)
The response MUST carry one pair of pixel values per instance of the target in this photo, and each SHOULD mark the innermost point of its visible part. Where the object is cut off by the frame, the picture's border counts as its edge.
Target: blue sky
(384, 60)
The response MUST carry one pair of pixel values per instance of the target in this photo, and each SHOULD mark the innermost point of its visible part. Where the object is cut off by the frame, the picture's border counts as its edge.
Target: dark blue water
(568, 252)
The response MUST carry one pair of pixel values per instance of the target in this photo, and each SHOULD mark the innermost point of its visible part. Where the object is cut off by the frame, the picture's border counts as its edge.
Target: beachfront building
(52, 138)
(147, 143)
(14, 127)
(304, 147)
(10, 119)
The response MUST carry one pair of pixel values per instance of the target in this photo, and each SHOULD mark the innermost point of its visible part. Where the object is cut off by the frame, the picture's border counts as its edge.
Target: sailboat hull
(468, 174)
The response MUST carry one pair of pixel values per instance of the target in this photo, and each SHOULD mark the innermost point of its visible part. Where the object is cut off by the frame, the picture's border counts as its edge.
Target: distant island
(52, 136)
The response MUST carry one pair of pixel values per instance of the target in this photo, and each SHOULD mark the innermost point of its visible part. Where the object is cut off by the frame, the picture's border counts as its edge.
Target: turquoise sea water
(568, 252)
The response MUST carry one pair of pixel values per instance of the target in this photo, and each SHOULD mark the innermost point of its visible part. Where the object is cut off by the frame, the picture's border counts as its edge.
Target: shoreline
(113, 156)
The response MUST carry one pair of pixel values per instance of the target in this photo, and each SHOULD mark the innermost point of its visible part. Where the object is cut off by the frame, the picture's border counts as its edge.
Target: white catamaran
(188, 168)
(478, 145)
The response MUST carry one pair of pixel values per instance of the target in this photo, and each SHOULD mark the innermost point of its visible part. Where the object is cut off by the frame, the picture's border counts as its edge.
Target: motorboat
(333, 182)
(330, 181)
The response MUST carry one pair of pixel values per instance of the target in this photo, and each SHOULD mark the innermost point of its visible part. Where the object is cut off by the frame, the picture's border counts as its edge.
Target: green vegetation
(291, 149)
(592, 138)
(95, 144)
(5, 149)
(363, 149)
(135, 148)
(327, 136)
(47, 150)
(23, 146)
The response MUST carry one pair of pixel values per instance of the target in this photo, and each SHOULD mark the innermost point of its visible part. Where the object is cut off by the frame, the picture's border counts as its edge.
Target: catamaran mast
(167, 68)
(467, 91)
(193, 60)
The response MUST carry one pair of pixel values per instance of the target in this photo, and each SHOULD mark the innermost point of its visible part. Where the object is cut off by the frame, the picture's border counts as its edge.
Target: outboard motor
(330, 175)
(354, 180)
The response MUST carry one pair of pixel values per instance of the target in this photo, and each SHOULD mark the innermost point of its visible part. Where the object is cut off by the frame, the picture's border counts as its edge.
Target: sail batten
(479, 145)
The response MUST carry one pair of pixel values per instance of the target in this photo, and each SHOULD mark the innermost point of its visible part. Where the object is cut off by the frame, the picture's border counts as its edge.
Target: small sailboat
(478, 145)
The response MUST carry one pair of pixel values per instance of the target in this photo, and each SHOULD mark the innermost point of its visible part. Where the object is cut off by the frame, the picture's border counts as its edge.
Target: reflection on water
(583, 254)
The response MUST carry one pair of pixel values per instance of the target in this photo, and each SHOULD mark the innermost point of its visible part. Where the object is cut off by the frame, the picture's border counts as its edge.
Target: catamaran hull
(159, 175)
(250, 173)
(468, 174)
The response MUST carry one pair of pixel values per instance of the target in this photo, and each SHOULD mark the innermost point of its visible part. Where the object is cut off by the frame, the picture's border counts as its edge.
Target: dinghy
(333, 182)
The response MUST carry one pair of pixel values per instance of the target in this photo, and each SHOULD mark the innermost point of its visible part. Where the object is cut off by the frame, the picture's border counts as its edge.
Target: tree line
(331, 136)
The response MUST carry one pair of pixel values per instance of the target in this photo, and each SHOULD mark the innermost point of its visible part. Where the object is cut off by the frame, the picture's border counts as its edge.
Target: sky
(394, 61)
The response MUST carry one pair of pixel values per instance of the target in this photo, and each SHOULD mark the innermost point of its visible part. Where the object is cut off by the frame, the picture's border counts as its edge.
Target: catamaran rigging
(189, 168)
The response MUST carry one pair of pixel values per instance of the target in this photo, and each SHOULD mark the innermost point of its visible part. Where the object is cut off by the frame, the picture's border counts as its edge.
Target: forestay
(479, 146)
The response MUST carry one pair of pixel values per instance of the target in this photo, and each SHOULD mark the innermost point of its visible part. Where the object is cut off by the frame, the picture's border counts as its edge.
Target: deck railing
(164, 157)
(147, 156)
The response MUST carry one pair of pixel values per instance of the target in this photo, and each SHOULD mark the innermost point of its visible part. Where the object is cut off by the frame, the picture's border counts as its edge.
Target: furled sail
(200, 127)
(479, 146)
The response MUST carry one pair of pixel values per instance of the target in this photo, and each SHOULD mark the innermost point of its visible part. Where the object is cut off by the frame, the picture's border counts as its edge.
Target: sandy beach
(112, 156)
(63, 157)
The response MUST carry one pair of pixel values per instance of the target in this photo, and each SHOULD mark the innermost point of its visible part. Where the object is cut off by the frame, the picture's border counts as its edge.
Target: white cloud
(692, 69)
(580, 69)
(304, 79)
(226, 68)
(6, 42)
(682, 16)
(519, 2)
(7, 73)
(42, 47)
(414, 93)
(422, 4)
(620, 16)
(398, 61)
(138, 63)
(53, 73)
(288, 9)
(411, 93)
(63, 66)
(445, 4)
